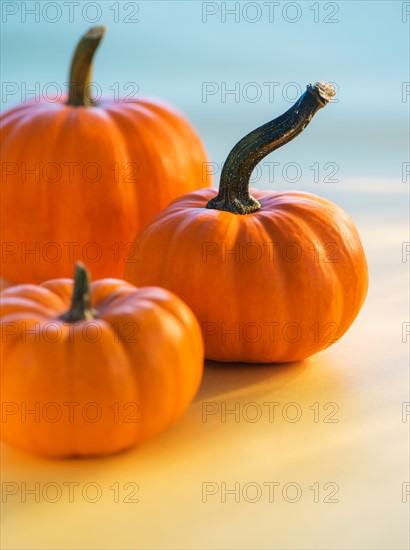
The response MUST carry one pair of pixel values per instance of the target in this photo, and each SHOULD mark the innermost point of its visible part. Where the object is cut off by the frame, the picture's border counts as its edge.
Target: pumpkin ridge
(33, 293)
(146, 154)
(176, 409)
(27, 306)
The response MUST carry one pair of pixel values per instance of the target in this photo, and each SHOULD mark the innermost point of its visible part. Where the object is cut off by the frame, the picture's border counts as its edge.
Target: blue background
(177, 50)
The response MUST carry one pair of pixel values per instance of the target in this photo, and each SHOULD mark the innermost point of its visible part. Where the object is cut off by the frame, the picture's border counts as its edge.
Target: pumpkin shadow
(219, 379)
(224, 378)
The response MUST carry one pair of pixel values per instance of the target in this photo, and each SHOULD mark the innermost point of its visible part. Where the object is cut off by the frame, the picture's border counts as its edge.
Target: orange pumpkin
(115, 368)
(272, 277)
(81, 178)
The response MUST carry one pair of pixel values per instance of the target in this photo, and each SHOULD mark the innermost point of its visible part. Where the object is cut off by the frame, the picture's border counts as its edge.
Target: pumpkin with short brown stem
(80, 178)
(272, 277)
(107, 372)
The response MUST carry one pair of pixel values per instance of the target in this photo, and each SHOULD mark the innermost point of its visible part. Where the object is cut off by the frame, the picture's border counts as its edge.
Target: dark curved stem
(80, 309)
(233, 195)
(81, 68)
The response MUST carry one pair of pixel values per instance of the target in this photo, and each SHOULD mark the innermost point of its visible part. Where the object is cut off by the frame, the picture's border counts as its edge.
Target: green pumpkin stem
(233, 195)
(81, 68)
(81, 309)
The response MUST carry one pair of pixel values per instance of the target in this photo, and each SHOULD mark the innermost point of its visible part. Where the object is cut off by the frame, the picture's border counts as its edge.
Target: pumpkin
(272, 277)
(94, 369)
(81, 177)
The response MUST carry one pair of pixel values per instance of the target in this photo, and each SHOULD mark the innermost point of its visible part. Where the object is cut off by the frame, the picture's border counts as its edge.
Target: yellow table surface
(366, 453)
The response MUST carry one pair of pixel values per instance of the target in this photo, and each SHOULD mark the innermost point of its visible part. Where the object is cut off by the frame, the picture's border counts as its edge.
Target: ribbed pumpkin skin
(264, 303)
(149, 382)
(147, 140)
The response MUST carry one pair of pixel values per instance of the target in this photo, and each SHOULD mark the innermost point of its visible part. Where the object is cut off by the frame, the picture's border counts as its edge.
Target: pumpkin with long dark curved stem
(81, 177)
(272, 277)
(90, 370)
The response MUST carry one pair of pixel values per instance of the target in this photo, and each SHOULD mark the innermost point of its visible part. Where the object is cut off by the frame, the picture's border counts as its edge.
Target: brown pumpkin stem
(81, 68)
(81, 309)
(233, 195)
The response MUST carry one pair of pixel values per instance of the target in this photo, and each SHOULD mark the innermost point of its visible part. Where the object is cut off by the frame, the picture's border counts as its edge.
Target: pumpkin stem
(233, 195)
(81, 308)
(81, 68)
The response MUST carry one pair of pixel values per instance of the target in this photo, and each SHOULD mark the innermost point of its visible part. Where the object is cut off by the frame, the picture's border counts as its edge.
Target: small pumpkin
(81, 177)
(272, 277)
(107, 372)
